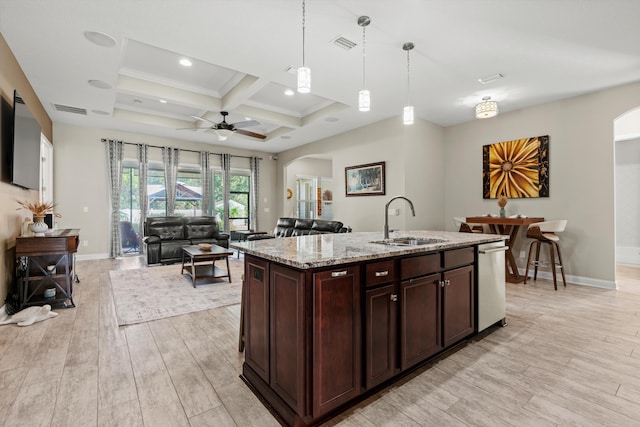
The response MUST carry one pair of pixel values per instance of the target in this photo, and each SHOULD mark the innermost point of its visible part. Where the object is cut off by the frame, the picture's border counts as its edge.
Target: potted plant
(39, 210)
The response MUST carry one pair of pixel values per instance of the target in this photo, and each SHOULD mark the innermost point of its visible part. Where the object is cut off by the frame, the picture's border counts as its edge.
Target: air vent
(344, 43)
(69, 109)
(489, 79)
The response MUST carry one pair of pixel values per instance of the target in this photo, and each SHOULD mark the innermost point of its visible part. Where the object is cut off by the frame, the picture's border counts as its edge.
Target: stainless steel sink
(409, 241)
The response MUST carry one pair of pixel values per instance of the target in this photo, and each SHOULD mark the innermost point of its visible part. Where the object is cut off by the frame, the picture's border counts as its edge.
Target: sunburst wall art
(516, 169)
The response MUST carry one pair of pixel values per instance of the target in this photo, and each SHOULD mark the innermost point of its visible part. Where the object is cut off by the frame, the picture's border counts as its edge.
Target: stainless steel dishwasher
(491, 285)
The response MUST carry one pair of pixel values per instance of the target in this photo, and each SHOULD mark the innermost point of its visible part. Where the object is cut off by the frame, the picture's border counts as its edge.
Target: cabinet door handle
(447, 282)
(393, 297)
(338, 273)
(382, 273)
(441, 283)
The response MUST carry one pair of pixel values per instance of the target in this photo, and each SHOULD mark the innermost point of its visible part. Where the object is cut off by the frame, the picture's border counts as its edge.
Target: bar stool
(545, 232)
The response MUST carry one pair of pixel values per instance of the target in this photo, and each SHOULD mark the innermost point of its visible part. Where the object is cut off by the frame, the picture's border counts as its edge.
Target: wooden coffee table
(201, 264)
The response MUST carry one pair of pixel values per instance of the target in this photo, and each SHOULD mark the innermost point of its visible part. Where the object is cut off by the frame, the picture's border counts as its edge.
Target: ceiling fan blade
(204, 119)
(251, 134)
(246, 124)
(192, 128)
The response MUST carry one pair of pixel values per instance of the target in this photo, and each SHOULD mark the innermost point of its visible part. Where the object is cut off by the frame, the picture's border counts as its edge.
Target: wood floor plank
(567, 357)
(194, 390)
(159, 402)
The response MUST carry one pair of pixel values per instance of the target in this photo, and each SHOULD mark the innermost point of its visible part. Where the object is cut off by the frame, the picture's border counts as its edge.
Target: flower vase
(502, 213)
(39, 226)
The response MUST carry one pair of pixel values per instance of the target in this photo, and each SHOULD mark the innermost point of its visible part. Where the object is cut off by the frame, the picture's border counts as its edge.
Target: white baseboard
(86, 257)
(574, 280)
(628, 255)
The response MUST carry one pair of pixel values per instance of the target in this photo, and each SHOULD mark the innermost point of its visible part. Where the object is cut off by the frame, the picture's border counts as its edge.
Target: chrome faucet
(386, 214)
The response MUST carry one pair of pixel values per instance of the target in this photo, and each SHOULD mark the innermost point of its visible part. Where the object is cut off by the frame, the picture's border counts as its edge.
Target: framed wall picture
(365, 180)
(516, 169)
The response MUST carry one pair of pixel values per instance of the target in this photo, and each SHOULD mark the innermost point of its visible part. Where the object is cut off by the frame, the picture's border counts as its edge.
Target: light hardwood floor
(570, 357)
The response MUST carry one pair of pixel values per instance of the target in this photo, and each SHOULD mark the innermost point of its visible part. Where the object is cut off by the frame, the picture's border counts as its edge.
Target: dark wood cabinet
(287, 335)
(45, 268)
(316, 339)
(337, 341)
(256, 323)
(458, 305)
(420, 319)
(381, 334)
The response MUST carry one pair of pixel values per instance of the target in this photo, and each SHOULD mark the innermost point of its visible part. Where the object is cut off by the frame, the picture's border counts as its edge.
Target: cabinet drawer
(419, 266)
(379, 273)
(458, 257)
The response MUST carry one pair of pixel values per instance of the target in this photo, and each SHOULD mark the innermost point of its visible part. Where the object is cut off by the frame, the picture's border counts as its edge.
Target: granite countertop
(321, 250)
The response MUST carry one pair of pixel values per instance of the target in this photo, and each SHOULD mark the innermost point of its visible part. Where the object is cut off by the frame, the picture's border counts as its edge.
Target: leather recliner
(288, 227)
(165, 236)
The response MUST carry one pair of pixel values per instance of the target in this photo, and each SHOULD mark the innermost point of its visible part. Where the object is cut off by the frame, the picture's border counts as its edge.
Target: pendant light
(304, 72)
(407, 113)
(486, 108)
(364, 96)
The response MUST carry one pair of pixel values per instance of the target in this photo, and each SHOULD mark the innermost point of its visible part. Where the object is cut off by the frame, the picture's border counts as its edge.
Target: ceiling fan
(224, 130)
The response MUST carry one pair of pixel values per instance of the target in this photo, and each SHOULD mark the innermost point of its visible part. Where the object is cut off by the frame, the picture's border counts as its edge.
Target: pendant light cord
(364, 57)
(303, 27)
(408, 79)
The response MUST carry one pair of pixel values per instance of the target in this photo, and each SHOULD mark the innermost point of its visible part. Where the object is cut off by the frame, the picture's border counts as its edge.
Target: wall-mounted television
(24, 156)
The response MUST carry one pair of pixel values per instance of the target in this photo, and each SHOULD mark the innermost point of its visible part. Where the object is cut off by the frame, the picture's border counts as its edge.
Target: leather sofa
(288, 227)
(165, 236)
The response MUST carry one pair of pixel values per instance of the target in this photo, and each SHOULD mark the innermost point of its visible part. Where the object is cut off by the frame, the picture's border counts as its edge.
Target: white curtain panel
(205, 173)
(226, 182)
(170, 158)
(143, 173)
(254, 164)
(114, 168)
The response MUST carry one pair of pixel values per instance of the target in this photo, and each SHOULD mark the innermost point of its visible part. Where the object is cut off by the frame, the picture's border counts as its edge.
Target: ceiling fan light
(364, 100)
(223, 134)
(304, 80)
(486, 109)
(407, 115)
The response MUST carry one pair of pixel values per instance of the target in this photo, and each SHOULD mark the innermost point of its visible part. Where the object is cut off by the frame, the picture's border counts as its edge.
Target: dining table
(508, 227)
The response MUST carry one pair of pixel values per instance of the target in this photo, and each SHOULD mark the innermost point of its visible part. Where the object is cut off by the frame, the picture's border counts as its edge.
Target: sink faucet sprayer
(386, 213)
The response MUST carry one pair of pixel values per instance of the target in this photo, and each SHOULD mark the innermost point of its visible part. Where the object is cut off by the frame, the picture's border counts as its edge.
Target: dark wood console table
(47, 263)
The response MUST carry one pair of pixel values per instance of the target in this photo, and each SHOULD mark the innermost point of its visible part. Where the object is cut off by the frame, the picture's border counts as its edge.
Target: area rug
(156, 292)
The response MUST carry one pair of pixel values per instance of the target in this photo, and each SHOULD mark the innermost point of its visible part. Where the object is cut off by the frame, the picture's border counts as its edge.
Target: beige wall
(413, 156)
(308, 167)
(441, 171)
(81, 180)
(581, 167)
(11, 78)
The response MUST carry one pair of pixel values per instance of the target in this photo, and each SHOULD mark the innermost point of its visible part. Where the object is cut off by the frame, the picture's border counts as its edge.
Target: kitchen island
(330, 319)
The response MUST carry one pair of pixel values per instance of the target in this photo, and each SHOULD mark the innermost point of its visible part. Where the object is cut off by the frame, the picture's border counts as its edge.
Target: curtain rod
(181, 149)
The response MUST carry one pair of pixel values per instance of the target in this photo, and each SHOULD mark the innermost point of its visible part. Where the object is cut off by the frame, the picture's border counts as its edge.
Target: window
(189, 193)
(306, 197)
(130, 209)
(156, 191)
(239, 208)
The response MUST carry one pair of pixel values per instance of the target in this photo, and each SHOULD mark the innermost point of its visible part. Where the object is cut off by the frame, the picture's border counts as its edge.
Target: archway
(627, 200)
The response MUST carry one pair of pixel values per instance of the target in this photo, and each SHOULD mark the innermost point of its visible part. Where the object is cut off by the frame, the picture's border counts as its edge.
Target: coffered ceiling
(243, 53)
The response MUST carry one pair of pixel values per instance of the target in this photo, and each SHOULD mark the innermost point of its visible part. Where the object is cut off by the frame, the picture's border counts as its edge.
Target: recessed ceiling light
(137, 101)
(100, 84)
(101, 39)
(100, 112)
(289, 92)
(331, 119)
(247, 118)
(185, 62)
(163, 101)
